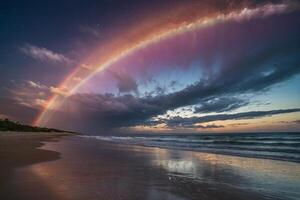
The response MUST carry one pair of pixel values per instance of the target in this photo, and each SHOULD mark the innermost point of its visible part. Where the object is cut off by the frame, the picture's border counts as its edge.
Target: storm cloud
(107, 111)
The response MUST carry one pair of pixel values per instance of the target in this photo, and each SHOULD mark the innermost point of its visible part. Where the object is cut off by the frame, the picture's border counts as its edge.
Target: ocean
(276, 146)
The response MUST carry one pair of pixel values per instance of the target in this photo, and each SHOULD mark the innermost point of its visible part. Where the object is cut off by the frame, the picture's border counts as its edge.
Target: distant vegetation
(8, 125)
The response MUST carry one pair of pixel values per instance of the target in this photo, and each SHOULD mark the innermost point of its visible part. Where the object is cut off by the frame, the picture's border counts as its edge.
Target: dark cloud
(251, 75)
(106, 111)
(102, 112)
(110, 112)
(179, 121)
(221, 104)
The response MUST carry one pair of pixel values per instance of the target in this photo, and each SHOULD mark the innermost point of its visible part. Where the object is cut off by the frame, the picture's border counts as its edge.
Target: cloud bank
(186, 122)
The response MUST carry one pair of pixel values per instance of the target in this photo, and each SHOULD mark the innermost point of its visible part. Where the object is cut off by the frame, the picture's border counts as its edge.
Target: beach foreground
(83, 168)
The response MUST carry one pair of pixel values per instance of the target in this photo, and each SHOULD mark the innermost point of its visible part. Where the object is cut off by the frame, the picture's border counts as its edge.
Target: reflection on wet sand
(92, 169)
(178, 166)
(276, 177)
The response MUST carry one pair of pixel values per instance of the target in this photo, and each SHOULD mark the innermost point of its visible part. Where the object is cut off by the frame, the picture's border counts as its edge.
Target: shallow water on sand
(91, 169)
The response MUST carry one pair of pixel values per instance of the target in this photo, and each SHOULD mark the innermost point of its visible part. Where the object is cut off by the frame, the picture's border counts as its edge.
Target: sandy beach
(21, 149)
(81, 168)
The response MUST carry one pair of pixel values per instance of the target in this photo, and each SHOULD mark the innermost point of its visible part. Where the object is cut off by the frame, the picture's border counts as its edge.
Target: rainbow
(119, 50)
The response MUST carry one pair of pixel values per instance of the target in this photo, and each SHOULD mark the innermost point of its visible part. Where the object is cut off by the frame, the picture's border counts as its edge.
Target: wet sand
(90, 169)
(21, 149)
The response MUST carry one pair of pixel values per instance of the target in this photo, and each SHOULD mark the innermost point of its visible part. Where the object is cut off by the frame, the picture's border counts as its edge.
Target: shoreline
(208, 152)
(82, 168)
(178, 174)
(256, 149)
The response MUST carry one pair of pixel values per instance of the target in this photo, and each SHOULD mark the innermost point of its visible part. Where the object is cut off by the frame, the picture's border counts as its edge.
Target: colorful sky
(165, 66)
